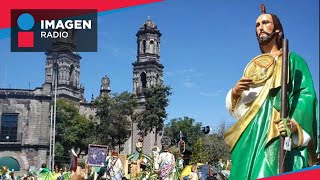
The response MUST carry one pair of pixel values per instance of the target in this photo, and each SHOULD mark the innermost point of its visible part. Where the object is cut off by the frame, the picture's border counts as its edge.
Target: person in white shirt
(167, 164)
(115, 167)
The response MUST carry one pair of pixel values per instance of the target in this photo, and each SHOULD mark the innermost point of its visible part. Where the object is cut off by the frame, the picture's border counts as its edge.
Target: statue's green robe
(254, 139)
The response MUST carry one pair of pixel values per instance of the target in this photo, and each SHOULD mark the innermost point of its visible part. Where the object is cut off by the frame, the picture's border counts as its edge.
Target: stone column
(42, 157)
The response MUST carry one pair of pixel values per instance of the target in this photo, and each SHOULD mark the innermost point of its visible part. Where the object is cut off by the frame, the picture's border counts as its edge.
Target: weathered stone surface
(33, 107)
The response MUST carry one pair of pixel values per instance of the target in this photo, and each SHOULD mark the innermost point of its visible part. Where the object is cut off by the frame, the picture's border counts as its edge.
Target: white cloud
(188, 84)
(212, 94)
(184, 71)
(208, 94)
(187, 76)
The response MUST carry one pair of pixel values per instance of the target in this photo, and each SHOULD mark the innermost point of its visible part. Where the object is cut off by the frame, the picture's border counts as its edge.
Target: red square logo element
(25, 39)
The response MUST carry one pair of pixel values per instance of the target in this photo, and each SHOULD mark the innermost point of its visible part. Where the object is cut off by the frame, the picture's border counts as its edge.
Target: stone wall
(33, 110)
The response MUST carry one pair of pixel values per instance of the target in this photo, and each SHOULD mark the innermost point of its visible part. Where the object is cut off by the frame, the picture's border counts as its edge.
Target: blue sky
(204, 48)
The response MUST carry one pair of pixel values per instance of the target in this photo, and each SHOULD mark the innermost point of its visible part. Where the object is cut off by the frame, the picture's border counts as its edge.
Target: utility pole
(53, 108)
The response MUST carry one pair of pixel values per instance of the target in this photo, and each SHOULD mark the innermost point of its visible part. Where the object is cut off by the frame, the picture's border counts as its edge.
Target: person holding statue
(136, 160)
(255, 102)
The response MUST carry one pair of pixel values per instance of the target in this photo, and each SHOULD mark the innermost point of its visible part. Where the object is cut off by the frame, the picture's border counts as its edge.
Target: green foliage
(199, 152)
(215, 145)
(72, 130)
(60, 153)
(200, 147)
(114, 112)
(190, 129)
(154, 115)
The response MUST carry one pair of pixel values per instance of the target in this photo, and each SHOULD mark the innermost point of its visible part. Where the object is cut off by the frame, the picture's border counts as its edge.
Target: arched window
(143, 79)
(158, 79)
(152, 47)
(144, 46)
(139, 43)
(158, 50)
(71, 75)
(55, 72)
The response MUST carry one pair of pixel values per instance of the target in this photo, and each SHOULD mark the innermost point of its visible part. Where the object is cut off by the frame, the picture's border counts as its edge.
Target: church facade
(26, 115)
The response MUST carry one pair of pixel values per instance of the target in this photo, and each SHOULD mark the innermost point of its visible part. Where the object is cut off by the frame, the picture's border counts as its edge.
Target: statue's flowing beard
(264, 40)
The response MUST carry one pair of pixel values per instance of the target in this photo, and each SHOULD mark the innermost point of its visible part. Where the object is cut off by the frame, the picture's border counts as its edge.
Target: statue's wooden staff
(284, 101)
(284, 104)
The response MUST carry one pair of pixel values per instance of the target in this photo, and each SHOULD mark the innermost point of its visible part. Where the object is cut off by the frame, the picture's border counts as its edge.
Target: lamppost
(53, 116)
(55, 107)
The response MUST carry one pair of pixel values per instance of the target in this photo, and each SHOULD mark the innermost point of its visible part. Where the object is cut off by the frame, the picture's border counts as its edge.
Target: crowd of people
(43, 173)
(161, 165)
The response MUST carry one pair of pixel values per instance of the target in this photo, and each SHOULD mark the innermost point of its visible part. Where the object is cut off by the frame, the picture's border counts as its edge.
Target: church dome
(149, 24)
(149, 27)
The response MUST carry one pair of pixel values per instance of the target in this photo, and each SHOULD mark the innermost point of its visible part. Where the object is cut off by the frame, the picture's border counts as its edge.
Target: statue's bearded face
(139, 146)
(265, 29)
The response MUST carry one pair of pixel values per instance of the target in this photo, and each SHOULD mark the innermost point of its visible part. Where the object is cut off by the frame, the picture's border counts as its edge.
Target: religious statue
(136, 160)
(155, 156)
(105, 83)
(255, 102)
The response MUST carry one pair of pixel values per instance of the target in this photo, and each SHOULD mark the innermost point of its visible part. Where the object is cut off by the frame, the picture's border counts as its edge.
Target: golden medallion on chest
(260, 68)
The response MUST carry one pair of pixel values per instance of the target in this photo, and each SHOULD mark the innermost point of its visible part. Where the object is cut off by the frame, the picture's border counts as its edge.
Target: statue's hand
(291, 124)
(242, 85)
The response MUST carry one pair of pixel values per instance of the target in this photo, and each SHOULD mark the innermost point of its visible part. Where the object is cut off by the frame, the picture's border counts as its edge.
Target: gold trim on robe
(233, 134)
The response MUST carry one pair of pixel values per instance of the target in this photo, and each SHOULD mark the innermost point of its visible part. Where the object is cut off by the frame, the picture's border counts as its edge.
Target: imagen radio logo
(36, 30)
(25, 36)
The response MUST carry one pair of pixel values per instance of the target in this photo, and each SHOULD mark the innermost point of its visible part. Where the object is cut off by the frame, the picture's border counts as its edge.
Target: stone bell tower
(65, 62)
(147, 70)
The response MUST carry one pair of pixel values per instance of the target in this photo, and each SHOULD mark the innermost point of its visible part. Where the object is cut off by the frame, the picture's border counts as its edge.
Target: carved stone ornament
(105, 82)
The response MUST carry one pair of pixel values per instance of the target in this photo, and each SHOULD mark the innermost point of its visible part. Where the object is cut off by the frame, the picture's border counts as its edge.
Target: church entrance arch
(14, 158)
(10, 162)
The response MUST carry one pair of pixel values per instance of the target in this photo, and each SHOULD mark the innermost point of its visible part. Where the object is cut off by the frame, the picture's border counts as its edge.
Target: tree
(215, 145)
(190, 129)
(191, 132)
(154, 115)
(199, 152)
(72, 130)
(114, 112)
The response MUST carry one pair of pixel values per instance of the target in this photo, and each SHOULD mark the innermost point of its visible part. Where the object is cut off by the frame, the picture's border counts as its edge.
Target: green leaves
(215, 145)
(199, 152)
(200, 148)
(154, 115)
(72, 130)
(114, 112)
(190, 129)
